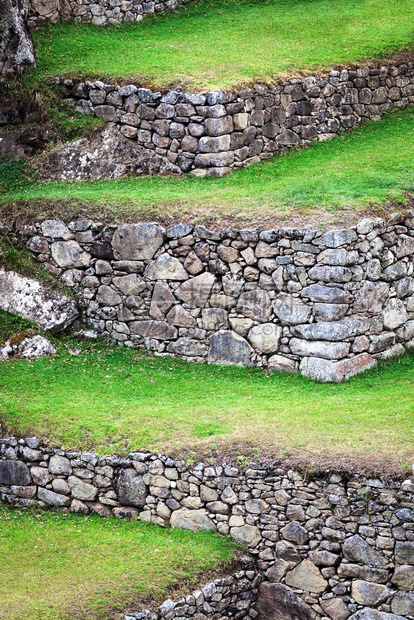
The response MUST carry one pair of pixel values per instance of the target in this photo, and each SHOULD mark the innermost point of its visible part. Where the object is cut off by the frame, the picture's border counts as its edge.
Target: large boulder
(306, 576)
(213, 319)
(395, 313)
(291, 310)
(137, 241)
(255, 304)
(16, 43)
(162, 300)
(368, 593)
(280, 363)
(404, 552)
(70, 255)
(371, 297)
(60, 465)
(295, 533)
(55, 229)
(180, 317)
(335, 608)
(166, 267)
(229, 349)
(356, 549)
(337, 238)
(153, 329)
(82, 490)
(196, 291)
(403, 577)
(52, 499)
(247, 535)
(107, 296)
(32, 347)
(14, 473)
(328, 273)
(278, 602)
(265, 337)
(109, 155)
(130, 488)
(193, 520)
(328, 371)
(319, 348)
(132, 284)
(332, 330)
(326, 294)
(29, 299)
(403, 603)
(373, 614)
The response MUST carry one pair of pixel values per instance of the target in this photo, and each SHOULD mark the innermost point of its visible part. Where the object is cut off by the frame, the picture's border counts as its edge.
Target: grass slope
(61, 567)
(373, 164)
(116, 400)
(11, 325)
(218, 43)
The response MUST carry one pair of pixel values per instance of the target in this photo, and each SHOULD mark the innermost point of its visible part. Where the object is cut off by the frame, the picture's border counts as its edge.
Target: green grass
(373, 164)
(117, 400)
(218, 43)
(62, 567)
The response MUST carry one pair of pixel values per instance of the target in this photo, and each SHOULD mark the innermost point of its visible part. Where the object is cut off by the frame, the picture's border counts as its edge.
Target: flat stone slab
(328, 371)
(30, 348)
(30, 299)
(278, 602)
(193, 520)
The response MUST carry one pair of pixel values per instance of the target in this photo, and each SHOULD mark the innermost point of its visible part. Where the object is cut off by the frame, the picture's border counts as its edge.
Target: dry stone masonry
(231, 597)
(97, 12)
(326, 304)
(217, 132)
(334, 546)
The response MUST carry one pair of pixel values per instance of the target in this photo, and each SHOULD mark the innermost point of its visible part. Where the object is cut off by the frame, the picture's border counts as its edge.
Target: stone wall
(332, 546)
(328, 304)
(231, 597)
(220, 131)
(98, 12)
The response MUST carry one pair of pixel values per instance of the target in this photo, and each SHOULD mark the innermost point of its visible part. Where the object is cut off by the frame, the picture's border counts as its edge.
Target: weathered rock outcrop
(110, 155)
(31, 300)
(31, 347)
(16, 43)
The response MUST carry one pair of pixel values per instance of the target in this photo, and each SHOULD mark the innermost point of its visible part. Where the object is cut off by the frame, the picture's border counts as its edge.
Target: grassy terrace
(219, 43)
(55, 567)
(117, 400)
(373, 164)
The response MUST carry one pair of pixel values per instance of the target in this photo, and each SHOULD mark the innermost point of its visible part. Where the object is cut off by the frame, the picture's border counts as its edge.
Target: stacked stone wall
(231, 597)
(217, 132)
(333, 546)
(97, 12)
(328, 304)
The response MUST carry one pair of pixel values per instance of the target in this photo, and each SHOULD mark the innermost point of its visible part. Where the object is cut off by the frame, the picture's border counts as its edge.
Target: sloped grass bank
(11, 325)
(219, 43)
(373, 164)
(117, 400)
(62, 567)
